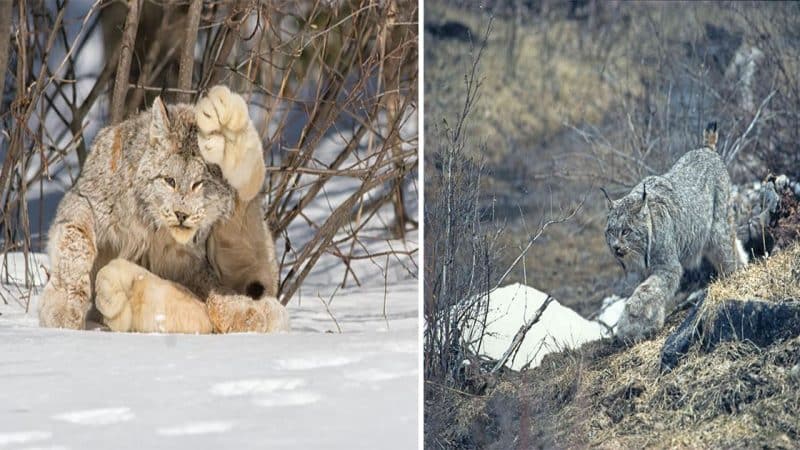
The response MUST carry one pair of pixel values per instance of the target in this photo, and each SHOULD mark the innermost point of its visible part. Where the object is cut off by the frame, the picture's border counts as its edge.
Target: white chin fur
(182, 235)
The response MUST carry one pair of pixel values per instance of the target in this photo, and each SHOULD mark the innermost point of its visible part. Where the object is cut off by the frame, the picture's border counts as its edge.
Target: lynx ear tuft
(159, 123)
(644, 194)
(609, 202)
(710, 136)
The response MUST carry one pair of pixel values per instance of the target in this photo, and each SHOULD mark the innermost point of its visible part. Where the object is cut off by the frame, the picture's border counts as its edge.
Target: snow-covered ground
(559, 327)
(311, 388)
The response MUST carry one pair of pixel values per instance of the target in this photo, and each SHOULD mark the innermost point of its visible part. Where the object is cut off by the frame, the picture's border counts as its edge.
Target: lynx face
(179, 190)
(626, 232)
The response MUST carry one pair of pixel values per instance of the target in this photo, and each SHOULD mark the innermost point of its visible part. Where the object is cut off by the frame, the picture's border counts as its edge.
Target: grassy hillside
(610, 396)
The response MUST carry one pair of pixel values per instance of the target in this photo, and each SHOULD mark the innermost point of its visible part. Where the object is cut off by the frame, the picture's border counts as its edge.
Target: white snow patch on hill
(559, 327)
(611, 312)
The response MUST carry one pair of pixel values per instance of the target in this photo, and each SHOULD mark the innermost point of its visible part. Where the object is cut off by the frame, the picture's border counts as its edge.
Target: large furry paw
(641, 318)
(133, 299)
(58, 309)
(227, 138)
(113, 291)
(237, 314)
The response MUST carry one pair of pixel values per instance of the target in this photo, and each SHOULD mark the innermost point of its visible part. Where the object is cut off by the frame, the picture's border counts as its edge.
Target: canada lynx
(164, 226)
(668, 223)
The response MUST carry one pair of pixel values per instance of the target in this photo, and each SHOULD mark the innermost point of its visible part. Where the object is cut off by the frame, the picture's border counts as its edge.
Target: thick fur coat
(668, 223)
(164, 227)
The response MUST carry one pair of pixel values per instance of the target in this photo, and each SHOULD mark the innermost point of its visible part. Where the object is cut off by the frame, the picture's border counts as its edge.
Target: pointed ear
(159, 122)
(609, 202)
(644, 197)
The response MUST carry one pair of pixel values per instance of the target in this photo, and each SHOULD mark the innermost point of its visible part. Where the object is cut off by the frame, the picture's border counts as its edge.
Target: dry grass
(604, 396)
(773, 279)
(608, 396)
(551, 71)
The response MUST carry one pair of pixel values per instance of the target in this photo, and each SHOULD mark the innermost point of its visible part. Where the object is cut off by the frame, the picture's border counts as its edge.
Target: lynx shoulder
(668, 223)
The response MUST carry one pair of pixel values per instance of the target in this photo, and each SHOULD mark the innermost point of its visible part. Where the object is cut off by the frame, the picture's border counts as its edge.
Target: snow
(313, 387)
(611, 312)
(310, 388)
(512, 306)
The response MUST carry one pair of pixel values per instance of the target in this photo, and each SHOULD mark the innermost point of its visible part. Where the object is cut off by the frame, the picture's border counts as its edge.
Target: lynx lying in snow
(668, 223)
(166, 213)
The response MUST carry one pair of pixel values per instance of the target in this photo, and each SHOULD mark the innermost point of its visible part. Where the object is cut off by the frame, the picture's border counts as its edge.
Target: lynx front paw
(237, 314)
(640, 319)
(60, 309)
(113, 289)
(227, 138)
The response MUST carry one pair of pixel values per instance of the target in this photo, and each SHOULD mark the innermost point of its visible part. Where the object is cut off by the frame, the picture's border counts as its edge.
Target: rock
(757, 321)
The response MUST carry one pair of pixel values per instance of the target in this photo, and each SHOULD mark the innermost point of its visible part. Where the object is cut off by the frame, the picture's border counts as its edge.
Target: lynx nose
(618, 251)
(181, 216)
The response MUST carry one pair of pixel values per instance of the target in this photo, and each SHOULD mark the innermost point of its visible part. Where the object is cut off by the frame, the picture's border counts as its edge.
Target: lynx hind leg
(226, 137)
(644, 312)
(722, 249)
(163, 306)
(242, 252)
(113, 287)
(237, 314)
(66, 298)
(131, 298)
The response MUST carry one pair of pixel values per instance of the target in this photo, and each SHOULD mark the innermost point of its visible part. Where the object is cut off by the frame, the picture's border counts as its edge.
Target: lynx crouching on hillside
(164, 227)
(668, 223)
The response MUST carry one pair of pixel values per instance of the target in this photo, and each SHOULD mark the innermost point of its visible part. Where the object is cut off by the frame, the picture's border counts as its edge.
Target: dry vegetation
(312, 72)
(611, 396)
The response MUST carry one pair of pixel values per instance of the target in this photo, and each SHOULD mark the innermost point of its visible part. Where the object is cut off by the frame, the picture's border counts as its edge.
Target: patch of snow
(196, 428)
(611, 312)
(12, 269)
(103, 416)
(511, 307)
(181, 391)
(22, 437)
(376, 375)
(314, 362)
(288, 399)
(248, 387)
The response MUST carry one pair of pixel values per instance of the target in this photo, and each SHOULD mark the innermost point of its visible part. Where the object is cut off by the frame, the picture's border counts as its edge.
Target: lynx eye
(626, 231)
(197, 185)
(170, 181)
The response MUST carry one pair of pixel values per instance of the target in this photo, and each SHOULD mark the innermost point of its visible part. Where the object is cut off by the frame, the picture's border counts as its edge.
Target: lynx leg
(226, 137)
(131, 298)
(721, 248)
(242, 252)
(645, 310)
(237, 313)
(164, 306)
(66, 298)
(113, 287)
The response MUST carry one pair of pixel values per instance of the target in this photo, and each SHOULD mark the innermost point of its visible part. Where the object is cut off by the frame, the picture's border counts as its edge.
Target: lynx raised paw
(227, 138)
(237, 313)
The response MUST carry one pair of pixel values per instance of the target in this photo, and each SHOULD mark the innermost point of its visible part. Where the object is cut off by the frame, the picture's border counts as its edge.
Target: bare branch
(187, 54)
(124, 66)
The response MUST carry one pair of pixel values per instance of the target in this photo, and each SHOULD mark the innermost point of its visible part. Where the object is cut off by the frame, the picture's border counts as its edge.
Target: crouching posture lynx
(668, 223)
(164, 227)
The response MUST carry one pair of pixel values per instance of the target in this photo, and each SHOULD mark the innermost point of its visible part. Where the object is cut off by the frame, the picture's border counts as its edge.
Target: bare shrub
(332, 88)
